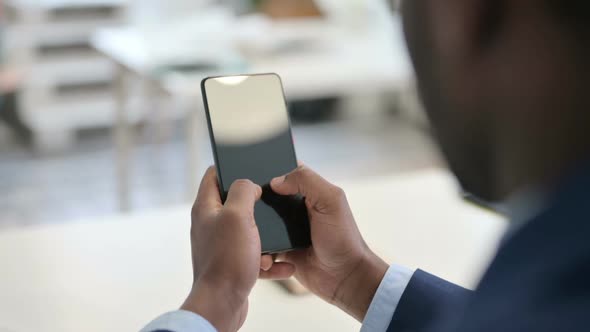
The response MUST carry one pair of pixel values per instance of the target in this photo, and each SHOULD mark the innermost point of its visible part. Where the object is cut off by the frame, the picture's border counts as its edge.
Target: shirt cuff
(179, 321)
(387, 298)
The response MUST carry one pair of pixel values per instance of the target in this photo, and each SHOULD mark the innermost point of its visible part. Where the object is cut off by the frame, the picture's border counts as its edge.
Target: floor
(80, 182)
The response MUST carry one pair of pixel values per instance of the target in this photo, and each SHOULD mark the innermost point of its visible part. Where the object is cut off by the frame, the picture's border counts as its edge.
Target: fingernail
(278, 181)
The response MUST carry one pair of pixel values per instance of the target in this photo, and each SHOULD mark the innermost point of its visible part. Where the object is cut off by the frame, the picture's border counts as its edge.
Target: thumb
(318, 192)
(242, 196)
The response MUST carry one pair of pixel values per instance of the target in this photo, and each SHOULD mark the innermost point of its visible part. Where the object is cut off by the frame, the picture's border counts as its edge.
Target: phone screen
(251, 139)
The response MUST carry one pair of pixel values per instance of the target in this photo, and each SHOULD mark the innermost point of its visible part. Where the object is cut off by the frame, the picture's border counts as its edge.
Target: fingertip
(208, 192)
(279, 271)
(243, 192)
(276, 182)
(211, 172)
(266, 262)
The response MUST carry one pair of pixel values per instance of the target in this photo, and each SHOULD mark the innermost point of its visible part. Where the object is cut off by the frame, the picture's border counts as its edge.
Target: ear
(463, 28)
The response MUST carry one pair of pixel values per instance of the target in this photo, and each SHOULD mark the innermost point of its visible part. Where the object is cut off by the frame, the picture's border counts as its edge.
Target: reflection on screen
(253, 141)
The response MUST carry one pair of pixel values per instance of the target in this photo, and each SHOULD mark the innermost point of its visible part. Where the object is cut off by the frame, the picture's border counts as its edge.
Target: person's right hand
(338, 267)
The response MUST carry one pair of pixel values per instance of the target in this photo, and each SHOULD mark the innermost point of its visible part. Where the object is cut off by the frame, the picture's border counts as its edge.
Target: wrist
(217, 304)
(357, 291)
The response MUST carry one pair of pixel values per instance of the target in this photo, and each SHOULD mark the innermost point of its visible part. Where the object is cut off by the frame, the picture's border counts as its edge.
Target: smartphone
(251, 139)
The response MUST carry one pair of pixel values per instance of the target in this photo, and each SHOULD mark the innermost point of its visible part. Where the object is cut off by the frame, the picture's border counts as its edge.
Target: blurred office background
(103, 141)
(101, 111)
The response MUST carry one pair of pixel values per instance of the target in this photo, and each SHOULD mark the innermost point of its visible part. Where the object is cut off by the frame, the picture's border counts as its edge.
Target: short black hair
(575, 14)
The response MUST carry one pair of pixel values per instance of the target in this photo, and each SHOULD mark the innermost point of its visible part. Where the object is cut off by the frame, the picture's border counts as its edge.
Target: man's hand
(339, 267)
(226, 252)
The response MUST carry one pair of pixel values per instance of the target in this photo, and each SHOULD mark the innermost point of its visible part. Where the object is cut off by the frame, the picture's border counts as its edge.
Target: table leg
(122, 138)
(157, 113)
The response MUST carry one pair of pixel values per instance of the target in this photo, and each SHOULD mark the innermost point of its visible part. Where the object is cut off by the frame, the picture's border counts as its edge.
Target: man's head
(503, 82)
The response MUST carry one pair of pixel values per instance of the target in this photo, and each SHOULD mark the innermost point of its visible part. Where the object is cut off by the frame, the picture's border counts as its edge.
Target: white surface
(159, 11)
(118, 273)
(357, 12)
(351, 61)
(51, 4)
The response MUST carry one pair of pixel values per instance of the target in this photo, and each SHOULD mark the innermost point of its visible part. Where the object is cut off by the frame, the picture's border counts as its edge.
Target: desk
(117, 273)
(349, 64)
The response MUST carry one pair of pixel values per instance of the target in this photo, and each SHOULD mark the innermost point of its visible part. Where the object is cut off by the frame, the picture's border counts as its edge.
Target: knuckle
(337, 192)
(299, 174)
(300, 168)
(232, 214)
(303, 171)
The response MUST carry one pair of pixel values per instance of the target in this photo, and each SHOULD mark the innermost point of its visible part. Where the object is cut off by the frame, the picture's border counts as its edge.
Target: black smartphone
(251, 139)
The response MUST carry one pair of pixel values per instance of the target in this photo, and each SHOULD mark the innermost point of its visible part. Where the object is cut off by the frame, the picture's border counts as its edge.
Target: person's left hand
(226, 252)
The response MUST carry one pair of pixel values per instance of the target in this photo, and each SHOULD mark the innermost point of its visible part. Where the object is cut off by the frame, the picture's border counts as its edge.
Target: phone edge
(212, 137)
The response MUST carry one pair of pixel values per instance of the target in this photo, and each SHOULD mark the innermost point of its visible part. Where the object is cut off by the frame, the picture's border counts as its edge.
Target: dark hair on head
(575, 14)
